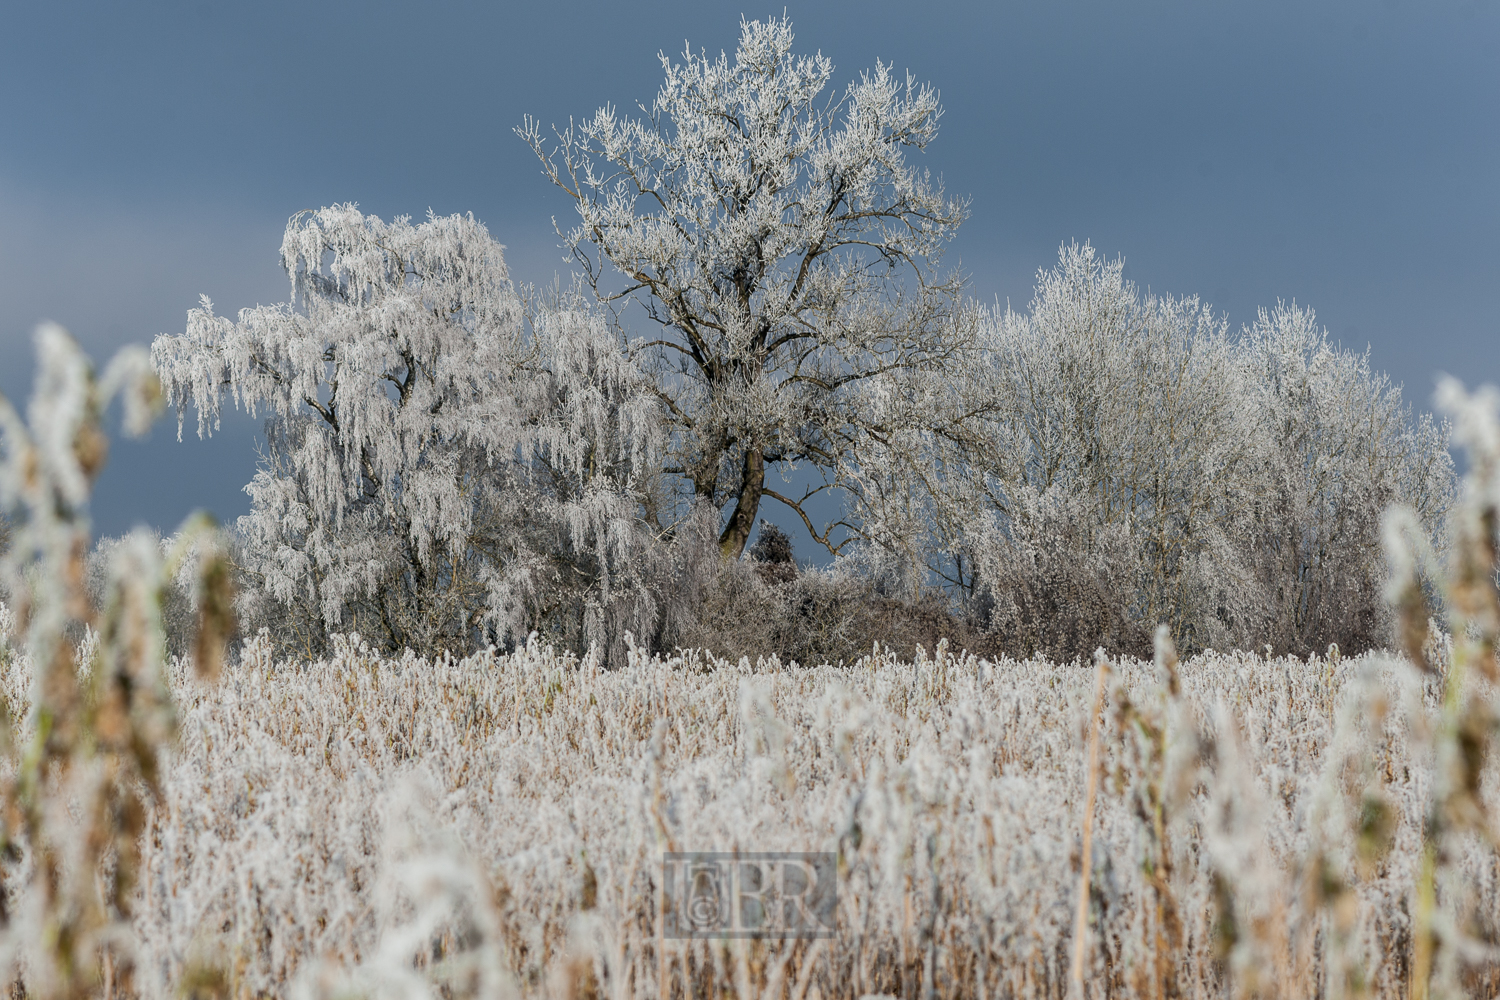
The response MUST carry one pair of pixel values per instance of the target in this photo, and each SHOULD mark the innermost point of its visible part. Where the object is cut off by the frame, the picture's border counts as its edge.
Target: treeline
(1117, 460)
(454, 463)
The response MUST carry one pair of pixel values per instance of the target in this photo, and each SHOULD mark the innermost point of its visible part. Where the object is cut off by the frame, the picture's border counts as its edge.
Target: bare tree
(783, 247)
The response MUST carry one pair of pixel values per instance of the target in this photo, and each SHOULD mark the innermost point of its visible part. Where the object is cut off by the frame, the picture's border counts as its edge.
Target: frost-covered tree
(1338, 446)
(784, 250)
(439, 471)
(1120, 405)
(1124, 461)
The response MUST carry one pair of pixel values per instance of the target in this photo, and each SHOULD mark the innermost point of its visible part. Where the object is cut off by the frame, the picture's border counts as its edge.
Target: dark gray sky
(1343, 154)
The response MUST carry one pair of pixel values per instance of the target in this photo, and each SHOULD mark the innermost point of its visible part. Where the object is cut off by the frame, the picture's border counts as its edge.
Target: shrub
(812, 616)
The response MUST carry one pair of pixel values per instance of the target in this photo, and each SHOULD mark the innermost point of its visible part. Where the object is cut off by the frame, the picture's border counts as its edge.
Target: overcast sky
(1344, 155)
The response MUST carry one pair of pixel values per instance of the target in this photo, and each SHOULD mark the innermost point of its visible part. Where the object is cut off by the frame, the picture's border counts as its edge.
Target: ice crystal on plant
(445, 460)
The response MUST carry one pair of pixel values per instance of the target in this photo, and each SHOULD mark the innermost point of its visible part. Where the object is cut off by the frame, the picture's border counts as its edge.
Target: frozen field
(497, 825)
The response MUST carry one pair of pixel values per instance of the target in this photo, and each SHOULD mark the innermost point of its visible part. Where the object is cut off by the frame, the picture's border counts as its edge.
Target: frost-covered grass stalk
(81, 724)
(495, 825)
(1459, 814)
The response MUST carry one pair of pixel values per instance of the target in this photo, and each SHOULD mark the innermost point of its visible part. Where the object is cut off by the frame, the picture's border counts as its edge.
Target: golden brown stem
(1081, 925)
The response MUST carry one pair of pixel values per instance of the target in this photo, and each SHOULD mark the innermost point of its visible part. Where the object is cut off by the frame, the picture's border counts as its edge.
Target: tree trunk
(742, 518)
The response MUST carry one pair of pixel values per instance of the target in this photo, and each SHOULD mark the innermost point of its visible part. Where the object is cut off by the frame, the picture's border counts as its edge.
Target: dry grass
(497, 823)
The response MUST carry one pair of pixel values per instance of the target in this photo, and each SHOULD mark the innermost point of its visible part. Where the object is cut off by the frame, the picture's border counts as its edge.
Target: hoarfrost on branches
(785, 250)
(1336, 446)
(1116, 442)
(445, 466)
